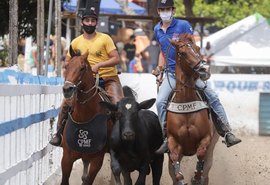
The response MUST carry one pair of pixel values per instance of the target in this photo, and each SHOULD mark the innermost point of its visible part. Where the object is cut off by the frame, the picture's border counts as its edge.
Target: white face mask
(166, 16)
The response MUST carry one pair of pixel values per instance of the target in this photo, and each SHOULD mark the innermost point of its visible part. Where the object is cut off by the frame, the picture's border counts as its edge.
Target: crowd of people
(134, 61)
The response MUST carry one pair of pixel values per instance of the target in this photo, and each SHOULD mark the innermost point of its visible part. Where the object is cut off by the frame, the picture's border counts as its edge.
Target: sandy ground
(247, 163)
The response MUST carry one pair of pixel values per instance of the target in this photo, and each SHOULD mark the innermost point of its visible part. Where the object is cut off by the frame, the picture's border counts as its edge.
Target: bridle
(73, 89)
(182, 57)
(201, 62)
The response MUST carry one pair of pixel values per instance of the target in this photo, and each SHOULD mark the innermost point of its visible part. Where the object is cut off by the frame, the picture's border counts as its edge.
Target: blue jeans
(168, 85)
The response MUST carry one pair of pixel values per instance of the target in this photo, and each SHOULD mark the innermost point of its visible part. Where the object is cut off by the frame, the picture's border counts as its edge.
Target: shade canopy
(244, 43)
(107, 7)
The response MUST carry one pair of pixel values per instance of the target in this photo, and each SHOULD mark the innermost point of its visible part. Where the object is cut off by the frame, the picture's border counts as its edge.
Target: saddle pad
(186, 107)
(89, 137)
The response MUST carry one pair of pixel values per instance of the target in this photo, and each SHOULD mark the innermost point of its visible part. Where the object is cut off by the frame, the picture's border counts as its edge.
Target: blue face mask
(89, 29)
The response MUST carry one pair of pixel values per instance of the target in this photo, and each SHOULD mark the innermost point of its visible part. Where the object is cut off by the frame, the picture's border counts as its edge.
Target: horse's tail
(128, 92)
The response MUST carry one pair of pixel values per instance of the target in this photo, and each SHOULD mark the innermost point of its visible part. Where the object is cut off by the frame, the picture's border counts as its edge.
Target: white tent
(245, 43)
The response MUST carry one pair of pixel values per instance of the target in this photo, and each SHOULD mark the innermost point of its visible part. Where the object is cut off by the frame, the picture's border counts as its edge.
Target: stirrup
(55, 143)
(234, 140)
(163, 148)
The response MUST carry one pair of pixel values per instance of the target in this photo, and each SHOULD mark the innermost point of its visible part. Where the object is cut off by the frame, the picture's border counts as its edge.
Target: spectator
(130, 49)
(135, 65)
(152, 59)
(207, 53)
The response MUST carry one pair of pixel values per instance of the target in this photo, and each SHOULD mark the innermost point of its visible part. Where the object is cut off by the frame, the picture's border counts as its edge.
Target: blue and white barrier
(29, 105)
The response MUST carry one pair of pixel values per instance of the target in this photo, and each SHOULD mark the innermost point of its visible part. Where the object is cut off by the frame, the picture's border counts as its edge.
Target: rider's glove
(158, 72)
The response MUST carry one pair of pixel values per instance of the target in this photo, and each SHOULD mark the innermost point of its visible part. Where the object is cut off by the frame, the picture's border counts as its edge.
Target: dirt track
(247, 163)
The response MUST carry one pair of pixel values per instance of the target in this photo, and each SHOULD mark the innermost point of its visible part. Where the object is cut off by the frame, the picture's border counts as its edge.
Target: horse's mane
(128, 92)
(186, 37)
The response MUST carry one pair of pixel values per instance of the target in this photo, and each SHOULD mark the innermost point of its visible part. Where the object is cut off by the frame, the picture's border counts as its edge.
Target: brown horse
(188, 125)
(87, 129)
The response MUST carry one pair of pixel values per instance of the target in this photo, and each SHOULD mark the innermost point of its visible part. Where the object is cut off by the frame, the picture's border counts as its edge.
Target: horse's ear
(109, 106)
(147, 104)
(173, 42)
(71, 51)
(85, 55)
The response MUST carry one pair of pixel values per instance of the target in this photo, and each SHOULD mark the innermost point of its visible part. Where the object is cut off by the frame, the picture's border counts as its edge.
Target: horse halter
(70, 89)
(201, 62)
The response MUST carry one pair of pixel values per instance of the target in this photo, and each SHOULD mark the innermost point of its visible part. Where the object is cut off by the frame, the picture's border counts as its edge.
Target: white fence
(27, 113)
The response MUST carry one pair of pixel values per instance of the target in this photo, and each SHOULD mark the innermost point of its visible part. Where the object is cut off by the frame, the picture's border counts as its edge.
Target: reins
(88, 91)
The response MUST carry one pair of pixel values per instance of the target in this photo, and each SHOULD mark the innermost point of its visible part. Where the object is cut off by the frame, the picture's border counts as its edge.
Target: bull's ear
(147, 104)
(109, 106)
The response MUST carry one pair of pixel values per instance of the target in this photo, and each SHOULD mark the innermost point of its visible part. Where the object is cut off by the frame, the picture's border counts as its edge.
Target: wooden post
(58, 44)
(40, 36)
(13, 32)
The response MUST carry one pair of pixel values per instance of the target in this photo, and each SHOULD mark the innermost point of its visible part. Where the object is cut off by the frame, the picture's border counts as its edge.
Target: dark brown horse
(87, 130)
(189, 128)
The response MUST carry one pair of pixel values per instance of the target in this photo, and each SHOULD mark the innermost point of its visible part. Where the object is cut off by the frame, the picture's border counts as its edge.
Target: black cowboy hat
(89, 13)
(165, 4)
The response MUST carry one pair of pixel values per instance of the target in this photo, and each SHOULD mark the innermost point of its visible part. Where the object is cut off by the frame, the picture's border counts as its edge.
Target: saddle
(89, 137)
(196, 106)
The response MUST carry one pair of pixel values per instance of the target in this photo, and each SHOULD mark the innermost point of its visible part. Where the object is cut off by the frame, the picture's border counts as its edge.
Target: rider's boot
(224, 130)
(164, 147)
(62, 117)
(231, 139)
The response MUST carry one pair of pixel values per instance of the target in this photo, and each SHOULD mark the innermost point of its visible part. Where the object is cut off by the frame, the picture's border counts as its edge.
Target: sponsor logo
(83, 140)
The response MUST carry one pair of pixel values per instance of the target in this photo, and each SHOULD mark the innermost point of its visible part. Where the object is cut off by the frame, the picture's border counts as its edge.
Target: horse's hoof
(181, 182)
(197, 182)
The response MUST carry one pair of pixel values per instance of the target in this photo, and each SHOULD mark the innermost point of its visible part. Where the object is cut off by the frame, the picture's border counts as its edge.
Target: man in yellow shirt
(103, 58)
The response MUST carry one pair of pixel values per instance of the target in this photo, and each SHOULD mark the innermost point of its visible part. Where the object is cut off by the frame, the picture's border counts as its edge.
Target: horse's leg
(171, 171)
(66, 165)
(156, 167)
(85, 169)
(209, 157)
(176, 155)
(201, 153)
(127, 178)
(116, 168)
(95, 166)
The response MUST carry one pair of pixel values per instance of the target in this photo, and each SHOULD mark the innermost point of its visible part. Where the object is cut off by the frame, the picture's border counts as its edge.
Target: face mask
(166, 16)
(154, 42)
(89, 29)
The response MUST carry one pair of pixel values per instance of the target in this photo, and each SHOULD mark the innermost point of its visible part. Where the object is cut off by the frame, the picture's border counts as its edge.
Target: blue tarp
(106, 7)
(136, 8)
(110, 7)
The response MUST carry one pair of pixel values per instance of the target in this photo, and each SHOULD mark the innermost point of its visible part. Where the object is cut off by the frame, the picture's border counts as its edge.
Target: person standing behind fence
(207, 53)
(152, 51)
(130, 49)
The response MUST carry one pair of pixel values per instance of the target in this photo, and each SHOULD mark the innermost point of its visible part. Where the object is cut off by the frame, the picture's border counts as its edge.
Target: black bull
(135, 137)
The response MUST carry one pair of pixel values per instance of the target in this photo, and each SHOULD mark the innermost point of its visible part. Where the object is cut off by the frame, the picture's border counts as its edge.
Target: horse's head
(188, 56)
(75, 71)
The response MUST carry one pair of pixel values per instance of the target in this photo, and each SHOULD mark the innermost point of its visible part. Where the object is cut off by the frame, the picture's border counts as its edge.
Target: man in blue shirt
(171, 28)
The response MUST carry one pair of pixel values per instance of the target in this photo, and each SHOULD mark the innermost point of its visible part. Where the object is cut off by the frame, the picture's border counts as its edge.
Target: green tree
(227, 12)
(27, 17)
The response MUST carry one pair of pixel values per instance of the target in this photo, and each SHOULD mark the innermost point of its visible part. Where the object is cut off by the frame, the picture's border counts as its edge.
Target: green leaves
(227, 12)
